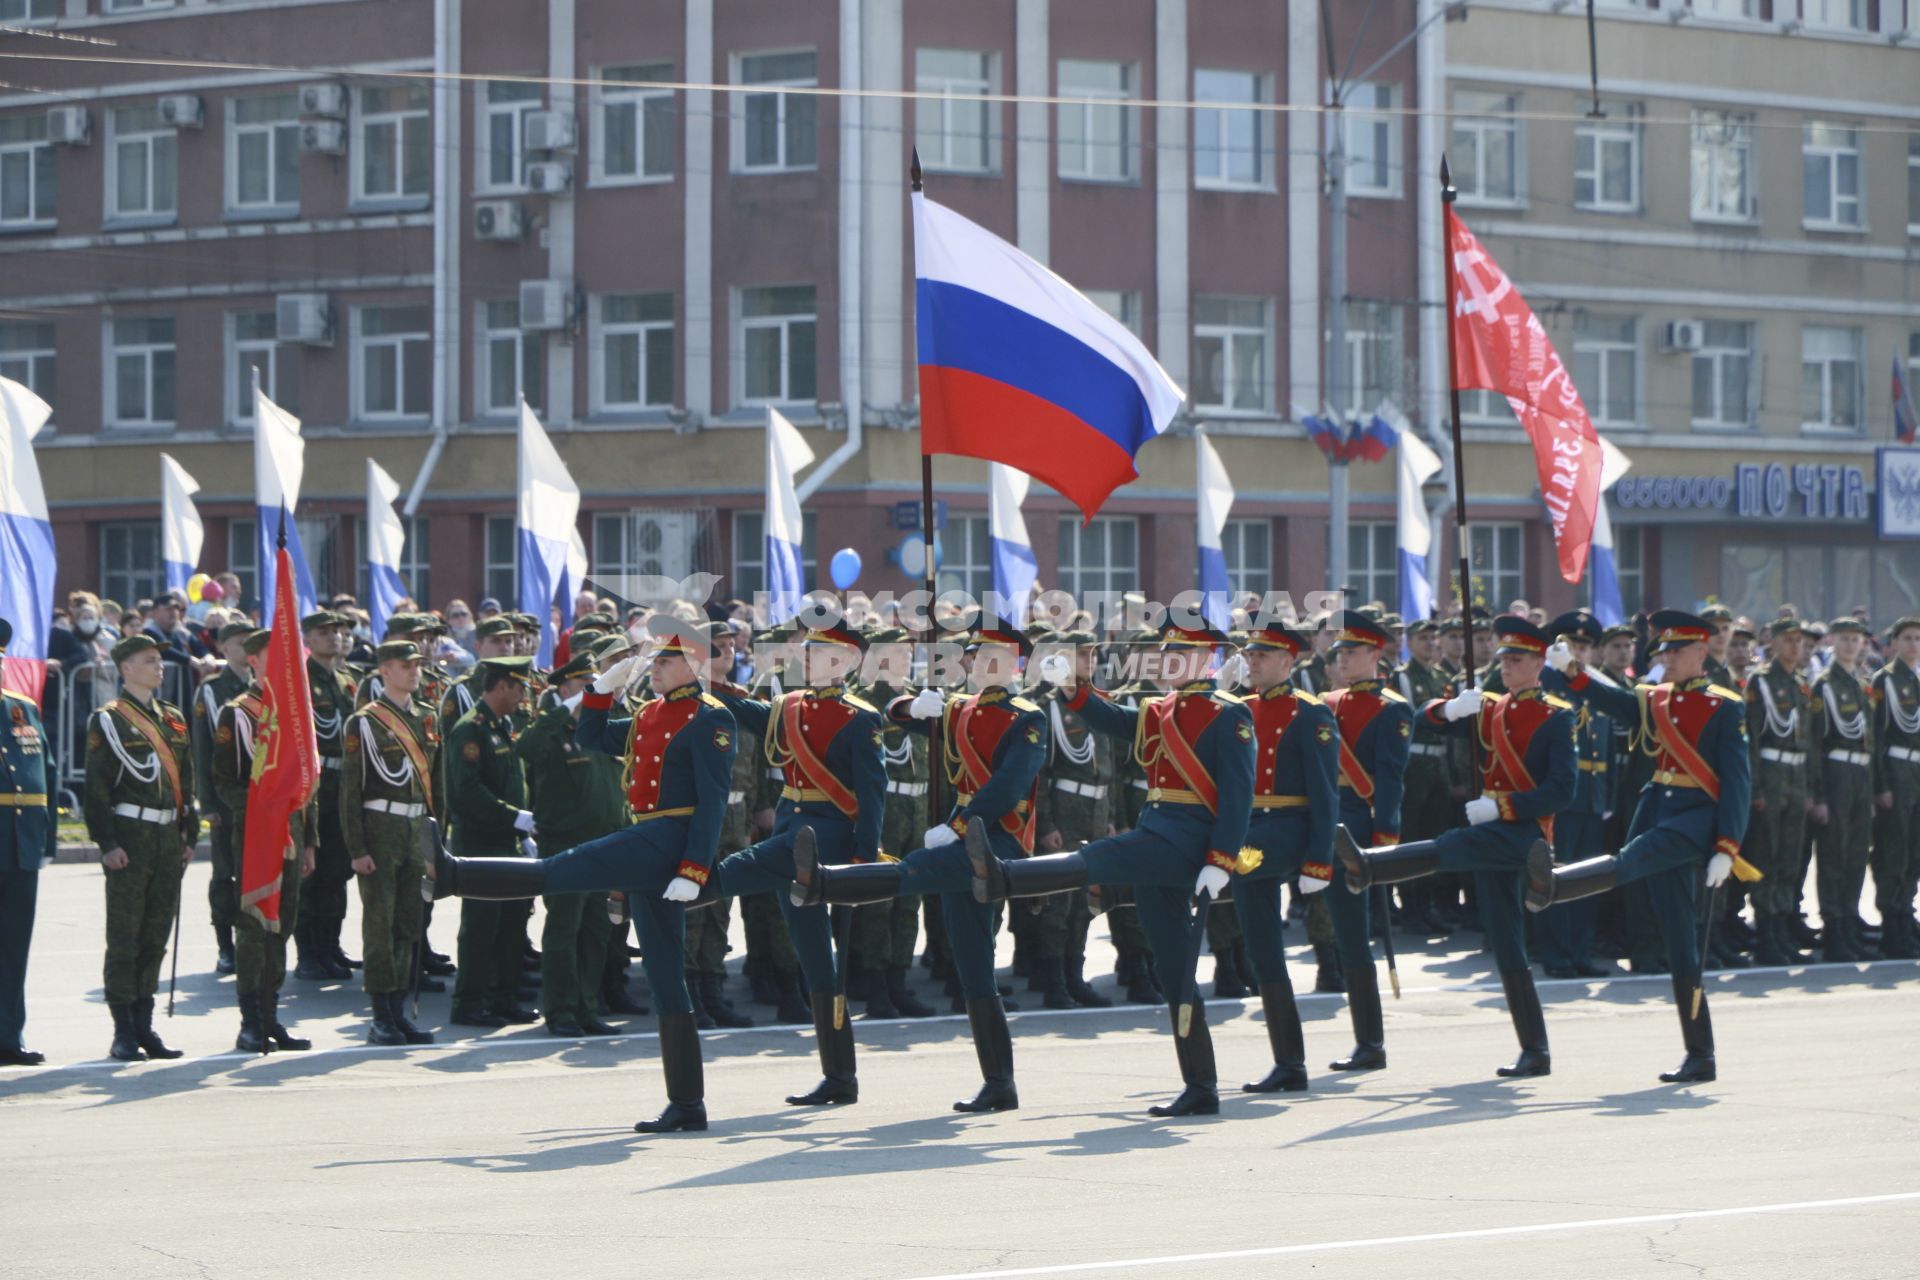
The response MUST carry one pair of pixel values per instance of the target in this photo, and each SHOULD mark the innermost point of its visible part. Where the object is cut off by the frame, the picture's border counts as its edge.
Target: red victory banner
(1499, 345)
(286, 757)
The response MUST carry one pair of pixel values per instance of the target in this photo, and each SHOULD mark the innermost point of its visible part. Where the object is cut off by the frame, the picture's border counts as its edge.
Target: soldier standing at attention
(223, 897)
(139, 807)
(884, 933)
(26, 841)
(1564, 940)
(1076, 807)
(1780, 727)
(1843, 791)
(1428, 806)
(1720, 618)
(1896, 798)
(707, 929)
(327, 636)
(386, 797)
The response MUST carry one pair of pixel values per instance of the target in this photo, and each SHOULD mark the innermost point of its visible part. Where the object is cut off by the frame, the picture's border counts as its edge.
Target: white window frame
(1486, 408)
(1620, 128)
(1084, 167)
(955, 91)
(783, 104)
(278, 133)
(35, 150)
(966, 556)
(153, 354)
(1229, 336)
(641, 332)
(136, 577)
(1719, 356)
(20, 13)
(1478, 125)
(134, 6)
(1378, 115)
(154, 141)
(615, 95)
(1829, 381)
(1913, 147)
(30, 359)
(516, 109)
(239, 407)
(416, 558)
(1598, 404)
(1820, 15)
(1504, 582)
(363, 342)
(749, 568)
(1708, 158)
(1373, 562)
(1378, 330)
(1248, 574)
(1727, 10)
(1113, 579)
(1212, 165)
(491, 334)
(399, 121)
(784, 323)
(1122, 304)
(492, 569)
(1831, 154)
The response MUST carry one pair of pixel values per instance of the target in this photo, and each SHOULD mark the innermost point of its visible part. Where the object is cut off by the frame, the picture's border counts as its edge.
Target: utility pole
(1339, 520)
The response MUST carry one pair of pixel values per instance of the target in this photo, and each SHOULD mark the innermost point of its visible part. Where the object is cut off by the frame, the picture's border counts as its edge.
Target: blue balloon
(845, 567)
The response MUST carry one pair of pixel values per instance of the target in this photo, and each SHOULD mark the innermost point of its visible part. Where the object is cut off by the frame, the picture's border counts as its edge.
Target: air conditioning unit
(546, 304)
(69, 125)
(303, 317)
(183, 110)
(498, 220)
(550, 131)
(329, 137)
(324, 99)
(550, 177)
(1681, 335)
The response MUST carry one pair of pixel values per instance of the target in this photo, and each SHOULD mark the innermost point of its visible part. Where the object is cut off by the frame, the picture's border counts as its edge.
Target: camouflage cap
(235, 631)
(398, 651)
(579, 666)
(133, 645)
(498, 625)
(257, 640)
(321, 619)
(1851, 624)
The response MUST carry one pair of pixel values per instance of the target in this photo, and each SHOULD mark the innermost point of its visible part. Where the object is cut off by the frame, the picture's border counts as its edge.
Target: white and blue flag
(279, 461)
(548, 512)
(386, 540)
(26, 542)
(787, 453)
(1414, 531)
(1214, 496)
(1015, 568)
(181, 533)
(1606, 573)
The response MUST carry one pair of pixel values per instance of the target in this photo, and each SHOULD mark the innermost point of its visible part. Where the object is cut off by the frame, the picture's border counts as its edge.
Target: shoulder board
(1390, 694)
(16, 694)
(1226, 699)
(858, 704)
(1557, 703)
(1721, 691)
(1023, 704)
(708, 700)
(1312, 700)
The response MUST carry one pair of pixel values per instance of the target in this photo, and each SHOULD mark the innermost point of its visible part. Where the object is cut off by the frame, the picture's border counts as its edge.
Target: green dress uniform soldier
(223, 896)
(1720, 618)
(1896, 787)
(576, 798)
(1428, 806)
(140, 811)
(707, 930)
(260, 953)
(26, 842)
(487, 802)
(1843, 791)
(387, 797)
(770, 952)
(328, 636)
(1133, 952)
(1564, 940)
(1075, 807)
(1782, 733)
(885, 933)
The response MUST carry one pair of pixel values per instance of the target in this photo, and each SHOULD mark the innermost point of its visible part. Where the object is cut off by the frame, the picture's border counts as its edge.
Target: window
(140, 380)
(1830, 176)
(966, 557)
(1837, 15)
(141, 176)
(1229, 146)
(391, 144)
(29, 10)
(1606, 162)
(1486, 147)
(1495, 563)
(1913, 364)
(1102, 556)
(750, 552)
(1629, 564)
(502, 571)
(1486, 407)
(776, 344)
(776, 131)
(658, 541)
(513, 361)
(1913, 167)
(1723, 375)
(416, 555)
(503, 160)
(1727, 8)
(1373, 140)
(1230, 346)
(1723, 188)
(243, 556)
(635, 140)
(955, 133)
(1099, 137)
(1606, 368)
(127, 6)
(1830, 387)
(634, 346)
(130, 567)
(1248, 545)
(263, 154)
(27, 182)
(393, 359)
(1375, 365)
(320, 539)
(1373, 562)
(252, 345)
(1122, 304)
(26, 355)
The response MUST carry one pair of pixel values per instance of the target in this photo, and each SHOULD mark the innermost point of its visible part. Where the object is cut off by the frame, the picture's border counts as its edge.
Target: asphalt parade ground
(510, 1153)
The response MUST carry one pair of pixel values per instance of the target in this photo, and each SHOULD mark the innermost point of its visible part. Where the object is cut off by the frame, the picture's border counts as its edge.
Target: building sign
(1898, 488)
(1760, 491)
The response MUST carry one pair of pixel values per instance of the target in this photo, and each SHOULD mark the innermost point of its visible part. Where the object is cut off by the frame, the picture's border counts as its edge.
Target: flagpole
(1462, 578)
(936, 755)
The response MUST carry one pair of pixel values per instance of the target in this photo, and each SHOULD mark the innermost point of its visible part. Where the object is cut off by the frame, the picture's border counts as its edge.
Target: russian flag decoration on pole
(1213, 498)
(1903, 422)
(26, 542)
(181, 532)
(279, 461)
(1418, 464)
(1606, 574)
(1014, 566)
(787, 452)
(386, 539)
(549, 509)
(1017, 366)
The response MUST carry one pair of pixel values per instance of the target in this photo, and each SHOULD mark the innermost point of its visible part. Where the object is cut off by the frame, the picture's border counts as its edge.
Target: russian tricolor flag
(1213, 499)
(1017, 366)
(279, 465)
(1015, 568)
(181, 531)
(386, 540)
(26, 542)
(1606, 573)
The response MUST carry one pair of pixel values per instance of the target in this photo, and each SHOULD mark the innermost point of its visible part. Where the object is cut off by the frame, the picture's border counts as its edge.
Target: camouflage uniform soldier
(1075, 807)
(139, 808)
(1843, 791)
(769, 946)
(885, 933)
(1429, 806)
(327, 636)
(1781, 731)
(386, 799)
(223, 897)
(1134, 957)
(1896, 799)
(706, 946)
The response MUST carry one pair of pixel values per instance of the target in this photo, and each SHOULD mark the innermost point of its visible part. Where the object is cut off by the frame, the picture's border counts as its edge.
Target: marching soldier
(1896, 799)
(1781, 729)
(1694, 811)
(26, 842)
(1565, 936)
(1531, 766)
(1843, 791)
(139, 808)
(1075, 807)
(327, 637)
(223, 897)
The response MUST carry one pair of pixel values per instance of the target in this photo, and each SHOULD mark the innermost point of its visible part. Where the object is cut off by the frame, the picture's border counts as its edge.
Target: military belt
(1674, 778)
(1429, 749)
(1904, 753)
(1141, 783)
(1777, 756)
(906, 788)
(1593, 766)
(22, 800)
(1172, 795)
(1091, 790)
(965, 798)
(1850, 757)
(329, 762)
(394, 807)
(802, 795)
(160, 817)
(736, 797)
(1279, 802)
(683, 811)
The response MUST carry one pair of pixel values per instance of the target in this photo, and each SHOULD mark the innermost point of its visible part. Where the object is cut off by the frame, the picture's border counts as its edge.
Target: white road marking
(1434, 1237)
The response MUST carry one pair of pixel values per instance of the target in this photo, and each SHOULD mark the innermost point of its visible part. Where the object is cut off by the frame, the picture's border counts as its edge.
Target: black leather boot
(1052, 972)
(1289, 1074)
(1387, 865)
(993, 1045)
(493, 879)
(1529, 1024)
(792, 1009)
(276, 1031)
(1201, 1097)
(383, 1030)
(905, 1003)
(1775, 947)
(1227, 982)
(1696, 1033)
(252, 1038)
(311, 966)
(403, 1022)
(686, 1079)
(223, 940)
(833, 1032)
(714, 996)
(1074, 973)
(1548, 884)
(150, 1042)
(1330, 976)
(126, 1044)
(702, 1016)
(1369, 1029)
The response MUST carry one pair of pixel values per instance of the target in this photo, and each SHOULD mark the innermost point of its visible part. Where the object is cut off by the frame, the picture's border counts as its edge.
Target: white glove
(523, 822)
(1233, 672)
(573, 703)
(527, 843)
(1311, 884)
(1482, 809)
(618, 676)
(1056, 668)
(1464, 703)
(927, 704)
(935, 837)
(681, 889)
(1719, 867)
(1211, 881)
(1560, 656)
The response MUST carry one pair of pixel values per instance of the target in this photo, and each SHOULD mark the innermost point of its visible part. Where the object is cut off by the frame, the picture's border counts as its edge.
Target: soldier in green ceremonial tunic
(770, 950)
(386, 799)
(487, 802)
(1428, 806)
(223, 897)
(328, 635)
(140, 811)
(1717, 669)
(1781, 732)
(27, 832)
(1843, 792)
(1896, 798)
(706, 945)
(885, 933)
(1075, 807)
(1133, 954)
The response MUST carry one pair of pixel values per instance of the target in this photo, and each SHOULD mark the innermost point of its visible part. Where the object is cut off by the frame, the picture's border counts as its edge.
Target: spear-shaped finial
(1447, 193)
(281, 537)
(913, 170)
